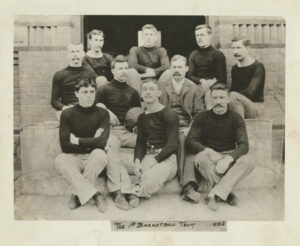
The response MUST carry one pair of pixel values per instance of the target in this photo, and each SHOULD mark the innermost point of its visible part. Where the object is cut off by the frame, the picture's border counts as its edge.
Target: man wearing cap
(64, 81)
(248, 80)
(150, 61)
(216, 141)
(207, 65)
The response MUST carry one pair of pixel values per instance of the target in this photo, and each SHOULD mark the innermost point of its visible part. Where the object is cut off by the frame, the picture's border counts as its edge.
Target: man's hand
(223, 164)
(137, 168)
(66, 107)
(98, 132)
(148, 162)
(149, 73)
(114, 121)
(73, 139)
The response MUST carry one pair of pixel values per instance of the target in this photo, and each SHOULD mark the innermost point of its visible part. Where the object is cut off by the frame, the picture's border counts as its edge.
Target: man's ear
(186, 68)
(159, 93)
(76, 94)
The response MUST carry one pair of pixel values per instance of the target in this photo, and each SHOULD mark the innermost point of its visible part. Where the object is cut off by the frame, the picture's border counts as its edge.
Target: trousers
(208, 180)
(244, 106)
(127, 138)
(81, 171)
(155, 175)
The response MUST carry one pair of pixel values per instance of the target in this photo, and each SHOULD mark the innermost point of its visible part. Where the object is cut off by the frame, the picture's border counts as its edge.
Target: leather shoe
(190, 194)
(120, 201)
(101, 202)
(134, 200)
(211, 203)
(74, 202)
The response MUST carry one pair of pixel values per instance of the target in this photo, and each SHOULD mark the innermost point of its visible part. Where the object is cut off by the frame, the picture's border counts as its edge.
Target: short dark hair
(95, 32)
(85, 82)
(246, 41)
(204, 26)
(149, 27)
(219, 86)
(153, 80)
(118, 59)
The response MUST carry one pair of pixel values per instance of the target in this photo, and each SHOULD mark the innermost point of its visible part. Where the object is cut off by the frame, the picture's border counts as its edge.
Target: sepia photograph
(155, 119)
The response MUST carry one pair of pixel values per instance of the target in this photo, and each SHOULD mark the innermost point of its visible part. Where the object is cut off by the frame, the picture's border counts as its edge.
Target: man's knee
(201, 160)
(113, 143)
(151, 183)
(99, 154)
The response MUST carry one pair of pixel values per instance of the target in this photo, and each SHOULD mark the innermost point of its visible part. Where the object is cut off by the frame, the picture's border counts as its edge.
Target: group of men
(179, 116)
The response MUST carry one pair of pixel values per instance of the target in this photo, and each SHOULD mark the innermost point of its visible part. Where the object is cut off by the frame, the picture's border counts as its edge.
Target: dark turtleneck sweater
(159, 129)
(83, 123)
(218, 132)
(249, 81)
(63, 85)
(100, 66)
(118, 97)
(155, 57)
(207, 63)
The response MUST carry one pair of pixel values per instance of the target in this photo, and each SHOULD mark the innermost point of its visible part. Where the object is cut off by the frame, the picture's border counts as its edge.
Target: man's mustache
(176, 73)
(236, 55)
(218, 105)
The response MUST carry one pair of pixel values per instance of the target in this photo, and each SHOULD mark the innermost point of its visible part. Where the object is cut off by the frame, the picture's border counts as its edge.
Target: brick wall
(36, 70)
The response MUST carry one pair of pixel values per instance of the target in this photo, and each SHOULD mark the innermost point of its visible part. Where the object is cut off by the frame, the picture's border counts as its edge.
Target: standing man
(216, 141)
(64, 81)
(156, 146)
(148, 60)
(83, 133)
(248, 81)
(117, 97)
(100, 62)
(207, 65)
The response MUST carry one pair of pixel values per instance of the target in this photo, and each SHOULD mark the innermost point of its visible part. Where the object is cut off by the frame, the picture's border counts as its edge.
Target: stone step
(39, 144)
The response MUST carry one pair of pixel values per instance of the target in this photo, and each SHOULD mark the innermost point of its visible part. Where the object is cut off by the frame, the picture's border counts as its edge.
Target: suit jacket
(192, 97)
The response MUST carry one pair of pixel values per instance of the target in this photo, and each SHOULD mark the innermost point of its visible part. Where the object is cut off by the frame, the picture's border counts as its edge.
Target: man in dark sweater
(83, 134)
(207, 65)
(248, 81)
(63, 92)
(99, 62)
(156, 146)
(216, 140)
(150, 61)
(117, 97)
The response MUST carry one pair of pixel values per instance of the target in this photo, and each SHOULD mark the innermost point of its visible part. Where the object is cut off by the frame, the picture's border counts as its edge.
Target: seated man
(180, 94)
(156, 146)
(183, 97)
(248, 80)
(148, 60)
(99, 62)
(207, 65)
(216, 141)
(117, 97)
(64, 81)
(83, 134)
